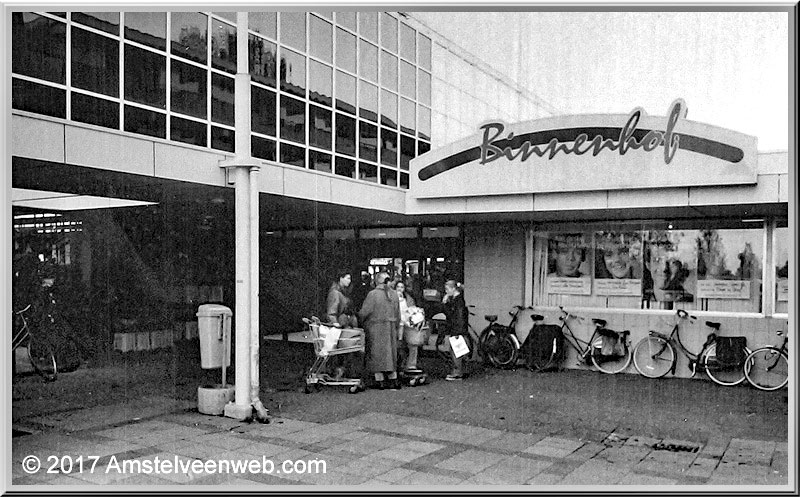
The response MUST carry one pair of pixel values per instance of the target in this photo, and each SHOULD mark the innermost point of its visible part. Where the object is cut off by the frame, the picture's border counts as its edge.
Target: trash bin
(214, 328)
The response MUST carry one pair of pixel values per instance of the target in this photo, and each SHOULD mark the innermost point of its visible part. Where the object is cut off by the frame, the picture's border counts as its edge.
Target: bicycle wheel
(502, 350)
(485, 334)
(653, 357)
(43, 359)
(767, 369)
(722, 375)
(611, 364)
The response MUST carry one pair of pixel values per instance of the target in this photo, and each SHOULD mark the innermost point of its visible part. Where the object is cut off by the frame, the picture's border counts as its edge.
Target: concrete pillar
(528, 278)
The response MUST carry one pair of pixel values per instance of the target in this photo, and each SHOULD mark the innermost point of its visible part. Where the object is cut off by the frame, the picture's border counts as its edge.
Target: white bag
(459, 346)
(331, 335)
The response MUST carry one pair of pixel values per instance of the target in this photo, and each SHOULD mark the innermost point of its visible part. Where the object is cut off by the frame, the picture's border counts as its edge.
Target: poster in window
(781, 265)
(568, 265)
(670, 273)
(618, 263)
(727, 263)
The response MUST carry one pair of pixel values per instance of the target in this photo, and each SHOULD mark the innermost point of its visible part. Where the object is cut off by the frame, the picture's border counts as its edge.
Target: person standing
(455, 309)
(380, 315)
(339, 312)
(406, 328)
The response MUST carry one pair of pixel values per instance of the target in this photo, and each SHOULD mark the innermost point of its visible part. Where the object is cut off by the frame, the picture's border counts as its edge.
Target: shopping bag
(459, 346)
(331, 335)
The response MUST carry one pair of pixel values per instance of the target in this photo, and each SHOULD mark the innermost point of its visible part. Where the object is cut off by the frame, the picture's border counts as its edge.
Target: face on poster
(618, 255)
(670, 258)
(567, 256)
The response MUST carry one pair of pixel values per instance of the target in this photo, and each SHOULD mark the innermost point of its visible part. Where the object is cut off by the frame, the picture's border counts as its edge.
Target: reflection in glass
(388, 147)
(223, 46)
(262, 148)
(262, 110)
(186, 131)
(262, 56)
(368, 25)
(368, 143)
(425, 52)
(368, 101)
(368, 55)
(223, 139)
(104, 21)
(345, 167)
(189, 35)
(407, 116)
(319, 161)
(388, 32)
(367, 172)
(92, 110)
(320, 127)
(424, 123)
(293, 156)
(37, 98)
(95, 62)
(388, 71)
(408, 43)
(424, 88)
(782, 243)
(293, 73)
(345, 92)
(39, 47)
(230, 16)
(320, 83)
(406, 151)
(222, 99)
(293, 29)
(345, 50)
(408, 80)
(388, 109)
(423, 147)
(388, 176)
(145, 77)
(346, 19)
(188, 93)
(147, 28)
(293, 119)
(321, 39)
(404, 180)
(264, 23)
(145, 122)
(345, 135)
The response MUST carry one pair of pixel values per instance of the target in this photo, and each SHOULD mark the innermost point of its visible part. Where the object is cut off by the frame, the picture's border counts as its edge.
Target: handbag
(459, 346)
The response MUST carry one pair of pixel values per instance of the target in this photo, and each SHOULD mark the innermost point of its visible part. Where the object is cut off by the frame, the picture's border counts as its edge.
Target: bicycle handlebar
(683, 314)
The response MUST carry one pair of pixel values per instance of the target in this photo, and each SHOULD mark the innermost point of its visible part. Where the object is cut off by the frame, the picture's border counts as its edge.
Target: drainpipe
(260, 412)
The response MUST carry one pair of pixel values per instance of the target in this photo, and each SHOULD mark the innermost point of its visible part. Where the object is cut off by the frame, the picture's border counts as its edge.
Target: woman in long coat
(380, 316)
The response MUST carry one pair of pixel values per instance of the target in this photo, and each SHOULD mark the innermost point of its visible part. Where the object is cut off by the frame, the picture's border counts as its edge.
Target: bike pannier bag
(731, 351)
(542, 340)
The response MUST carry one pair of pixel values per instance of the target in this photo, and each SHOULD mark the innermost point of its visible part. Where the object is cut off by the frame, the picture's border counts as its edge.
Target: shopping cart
(330, 341)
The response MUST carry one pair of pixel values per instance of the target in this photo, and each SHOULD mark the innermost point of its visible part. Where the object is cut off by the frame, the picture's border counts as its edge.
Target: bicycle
(655, 356)
(608, 350)
(544, 347)
(40, 353)
(767, 368)
(499, 343)
(443, 346)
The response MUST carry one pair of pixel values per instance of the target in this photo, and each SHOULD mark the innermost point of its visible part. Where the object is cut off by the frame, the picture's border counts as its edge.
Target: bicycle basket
(730, 352)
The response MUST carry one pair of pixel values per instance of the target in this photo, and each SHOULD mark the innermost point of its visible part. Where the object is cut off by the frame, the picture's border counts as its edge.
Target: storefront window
(39, 47)
(145, 77)
(729, 269)
(262, 57)
(782, 244)
(104, 21)
(367, 172)
(368, 61)
(262, 148)
(147, 28)
(388, 71)
(368, 143)
(145, 122)
(190, 35)
(223, 139)
(293, 120)
(321, 39)
(345, 92)
(321, 128)
(345, 135)
(345, 50)
(388, 32)
(222, 99)
(408, 43)
(346, 167)
(223, 46)
(404, 180)
(319, 161)
(40, 99)
(188, 94)
(187, 131)
(293, 73)
(92, 110)
(262, 110)
(388, 177)
(320, 83)
(293, 156)
(264, 23)
(388, 109)
(293, 29)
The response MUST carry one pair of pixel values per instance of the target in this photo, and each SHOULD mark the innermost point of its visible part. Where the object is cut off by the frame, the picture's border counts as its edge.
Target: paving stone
(639, 479)
(554, 447)
(512, 471)
(398, 453)
(564, 467)
(421, 447)
(514, 442)
(371, 466)
(624, 454)
(546, 479)
(332, 478)
(639, 441)
(596, 472)
(702, 467)
(471, 461)
(586, 452)
(395, 474)
(420, 478)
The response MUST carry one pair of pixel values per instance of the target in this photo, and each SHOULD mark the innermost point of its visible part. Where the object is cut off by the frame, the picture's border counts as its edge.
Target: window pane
(262, 148)
(368, 144)
(407, 116)
(408, 80)
(147, 28)
(293, 156)
(388, 109)
(39, 47)
(319, 161)
(189, 35)
(104, 21)
(388, 71)
(424, 88)
(320, 83)
(59, 14)
(729, 263)
(367, 172)
(423, 147)
(325, 14)
(407, 150)
(345, 135)
(388, 32)
(145, 122)
(425, 52)
(231, 16)
(388, 176)
(293, 119)
(368, 101)
(408, 43)
(368, 61)
(345, 167)
(321, 39)
(320, 127)
(293, 73)
(95, 62)
(40, 99)
(293, 29)
(223, 139)
(186, 131)
(223, 46)
(262, 56)
(388, 147)
(97, 111)
(404, 180)
(664, 282)
(424, 123)
(345, 50)
(188, 89)
(346, 19)
(345, 92)
(782, 244)
(264, 23)
(262, 110)
(222, 99)
(368, 25)
(145, 77)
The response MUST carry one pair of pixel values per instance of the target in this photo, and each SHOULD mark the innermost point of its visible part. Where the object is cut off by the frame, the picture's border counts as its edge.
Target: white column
(242, 312)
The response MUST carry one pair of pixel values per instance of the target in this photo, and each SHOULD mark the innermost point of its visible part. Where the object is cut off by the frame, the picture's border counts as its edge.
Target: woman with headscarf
(380, 315)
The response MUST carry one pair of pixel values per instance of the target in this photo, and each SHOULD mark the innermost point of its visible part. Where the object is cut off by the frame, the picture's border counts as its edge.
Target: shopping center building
(378, 144)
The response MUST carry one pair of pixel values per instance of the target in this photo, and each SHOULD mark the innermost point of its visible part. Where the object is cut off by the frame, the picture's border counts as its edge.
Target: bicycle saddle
(537, 317)
(600, 322)
(490, 317)
(712, 324)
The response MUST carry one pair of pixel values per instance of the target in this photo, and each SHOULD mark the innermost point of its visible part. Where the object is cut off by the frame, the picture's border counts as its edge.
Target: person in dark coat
(339, 312)
(455, 309)
(380, 315)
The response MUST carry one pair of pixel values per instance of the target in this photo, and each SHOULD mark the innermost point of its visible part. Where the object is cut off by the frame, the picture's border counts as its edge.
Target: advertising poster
(670, 272)
(782, 264)
(568, 265)
(618, 263)
(727, 263)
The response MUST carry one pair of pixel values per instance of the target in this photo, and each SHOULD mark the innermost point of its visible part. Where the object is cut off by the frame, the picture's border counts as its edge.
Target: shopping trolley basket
(331, 341)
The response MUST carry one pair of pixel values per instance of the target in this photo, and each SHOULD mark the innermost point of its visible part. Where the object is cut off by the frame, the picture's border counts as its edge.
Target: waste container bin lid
(207, 310)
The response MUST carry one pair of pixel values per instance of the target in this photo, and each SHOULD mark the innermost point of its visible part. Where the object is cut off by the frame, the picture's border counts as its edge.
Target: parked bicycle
(544, 347)
(655, 355)
(767, 368)
(499, 343)
(442, 344)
